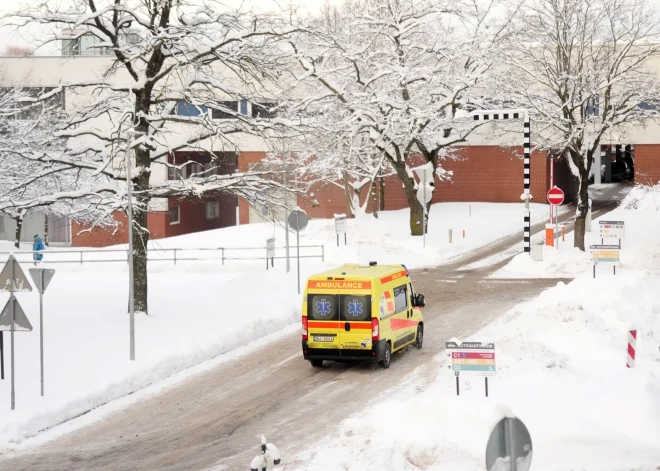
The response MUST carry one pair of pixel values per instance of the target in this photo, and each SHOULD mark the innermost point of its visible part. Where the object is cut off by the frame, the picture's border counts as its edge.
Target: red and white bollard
(632, 346)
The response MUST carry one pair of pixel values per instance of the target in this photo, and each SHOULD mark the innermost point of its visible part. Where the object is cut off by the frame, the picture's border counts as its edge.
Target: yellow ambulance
(360, 313)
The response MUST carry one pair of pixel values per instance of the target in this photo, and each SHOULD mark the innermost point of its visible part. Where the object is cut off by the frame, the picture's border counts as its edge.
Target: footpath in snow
(199, 310)
(561, 369)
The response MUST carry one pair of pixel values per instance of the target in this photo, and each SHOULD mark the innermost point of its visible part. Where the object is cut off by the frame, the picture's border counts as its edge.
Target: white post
(597, 163)
(41, 327)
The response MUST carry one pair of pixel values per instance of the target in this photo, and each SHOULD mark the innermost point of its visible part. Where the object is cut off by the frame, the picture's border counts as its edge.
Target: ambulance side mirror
(419, 300)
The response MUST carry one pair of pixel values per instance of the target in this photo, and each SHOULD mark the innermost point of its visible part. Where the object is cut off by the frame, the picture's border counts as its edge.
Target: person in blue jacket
(37, 247)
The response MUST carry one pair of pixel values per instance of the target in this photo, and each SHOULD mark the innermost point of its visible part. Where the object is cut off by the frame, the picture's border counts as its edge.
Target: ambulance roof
(360, 271)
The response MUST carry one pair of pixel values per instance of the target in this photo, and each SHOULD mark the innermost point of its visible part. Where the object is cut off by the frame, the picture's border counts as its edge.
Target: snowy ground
(561, 369)
(198, 310)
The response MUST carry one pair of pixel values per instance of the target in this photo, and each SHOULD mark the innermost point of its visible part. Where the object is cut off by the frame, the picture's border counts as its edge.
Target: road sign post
(340, 227)
(41, 278)
(612, 230)
(509, 446)
(472, 359)
(555, 198)
(12, 317)
(605, 255)
(270, 252)
(298, 220)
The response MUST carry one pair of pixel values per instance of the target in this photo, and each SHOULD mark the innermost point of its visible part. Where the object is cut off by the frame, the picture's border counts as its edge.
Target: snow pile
(561, 368)
(643, 197)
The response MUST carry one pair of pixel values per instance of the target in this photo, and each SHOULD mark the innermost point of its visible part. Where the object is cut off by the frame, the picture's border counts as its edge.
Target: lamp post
(129, 186)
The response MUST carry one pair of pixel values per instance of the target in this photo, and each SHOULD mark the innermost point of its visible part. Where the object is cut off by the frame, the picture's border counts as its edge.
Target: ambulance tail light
(375, 327)
(304, 327)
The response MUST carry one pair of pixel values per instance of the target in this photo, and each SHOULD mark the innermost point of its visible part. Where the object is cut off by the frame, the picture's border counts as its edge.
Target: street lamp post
(131, 279)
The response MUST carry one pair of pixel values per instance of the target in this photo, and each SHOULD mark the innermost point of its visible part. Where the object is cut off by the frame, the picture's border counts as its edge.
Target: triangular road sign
(21, 322)
(35, 273)
(21, 282)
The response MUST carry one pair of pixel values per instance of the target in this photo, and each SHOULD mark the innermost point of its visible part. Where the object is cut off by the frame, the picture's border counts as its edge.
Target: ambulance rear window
(355, 308)
(322, 307)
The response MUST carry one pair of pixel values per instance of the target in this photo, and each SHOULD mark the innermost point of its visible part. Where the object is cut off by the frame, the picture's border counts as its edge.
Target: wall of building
(82, 236)
(647, 164)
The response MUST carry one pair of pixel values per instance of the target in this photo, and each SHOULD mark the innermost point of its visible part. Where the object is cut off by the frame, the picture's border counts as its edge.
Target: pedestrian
(37, 247)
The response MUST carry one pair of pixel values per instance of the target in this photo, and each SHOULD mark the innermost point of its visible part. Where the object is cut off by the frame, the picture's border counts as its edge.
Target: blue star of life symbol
(323, 307)
(355, 308)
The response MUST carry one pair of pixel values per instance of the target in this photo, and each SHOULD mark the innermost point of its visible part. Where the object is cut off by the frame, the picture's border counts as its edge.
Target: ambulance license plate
(323, 338)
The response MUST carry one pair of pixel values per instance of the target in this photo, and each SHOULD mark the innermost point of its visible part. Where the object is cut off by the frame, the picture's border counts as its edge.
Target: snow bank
(561, 370)
(643, 197)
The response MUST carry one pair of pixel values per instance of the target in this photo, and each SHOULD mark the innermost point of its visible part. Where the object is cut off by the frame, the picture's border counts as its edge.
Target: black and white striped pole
(496, 115)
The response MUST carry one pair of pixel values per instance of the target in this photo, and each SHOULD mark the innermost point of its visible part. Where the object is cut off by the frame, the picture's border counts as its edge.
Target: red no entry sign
(555, 196)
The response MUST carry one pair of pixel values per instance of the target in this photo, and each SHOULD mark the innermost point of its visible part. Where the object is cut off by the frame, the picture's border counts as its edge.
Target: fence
(173, 255)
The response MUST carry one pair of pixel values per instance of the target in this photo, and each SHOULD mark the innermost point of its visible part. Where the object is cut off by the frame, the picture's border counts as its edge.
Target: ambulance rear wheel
(316, 363)
(420, 336)
(387, 356)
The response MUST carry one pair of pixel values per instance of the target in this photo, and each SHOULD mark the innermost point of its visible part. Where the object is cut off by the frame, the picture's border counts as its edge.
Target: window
(210, 169)
(195, 169)
(174, 173)
(355, 308)
(212, 210)
(592, 107)
(189, 110)
(175, 214)
(262, 110)
(400, 298)
(224, 114)
(85, 45)
(321, 307)
(243, 108)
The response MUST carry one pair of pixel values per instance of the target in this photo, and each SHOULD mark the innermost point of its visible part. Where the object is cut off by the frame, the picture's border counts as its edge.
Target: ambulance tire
(419, 340)
(316, 363)
(387, 356)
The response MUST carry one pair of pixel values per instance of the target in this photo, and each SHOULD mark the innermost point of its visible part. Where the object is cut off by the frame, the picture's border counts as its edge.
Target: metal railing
(200, 254)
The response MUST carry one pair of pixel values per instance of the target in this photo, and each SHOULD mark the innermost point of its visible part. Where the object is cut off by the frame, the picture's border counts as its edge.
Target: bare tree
(581, 67)
(184, 75)
(397, 75)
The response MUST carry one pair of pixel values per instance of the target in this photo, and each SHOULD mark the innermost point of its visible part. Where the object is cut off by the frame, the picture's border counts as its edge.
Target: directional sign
(608, 254)
(21, 282)
(21, 322)
(472, 358)
(270, 248)
(555, 196)
(340, 224)
(612, 229)
(298, 220)
(35, 274)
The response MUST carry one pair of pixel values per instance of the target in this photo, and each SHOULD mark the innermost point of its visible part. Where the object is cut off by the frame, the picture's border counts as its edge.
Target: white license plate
(323, 338)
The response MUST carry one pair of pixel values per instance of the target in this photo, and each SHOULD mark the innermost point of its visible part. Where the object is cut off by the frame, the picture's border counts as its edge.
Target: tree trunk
(19, 229)
(374, 199)
(140, 244)
(349, 199)
(46, 241)
(381, 192)
(581, 214)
